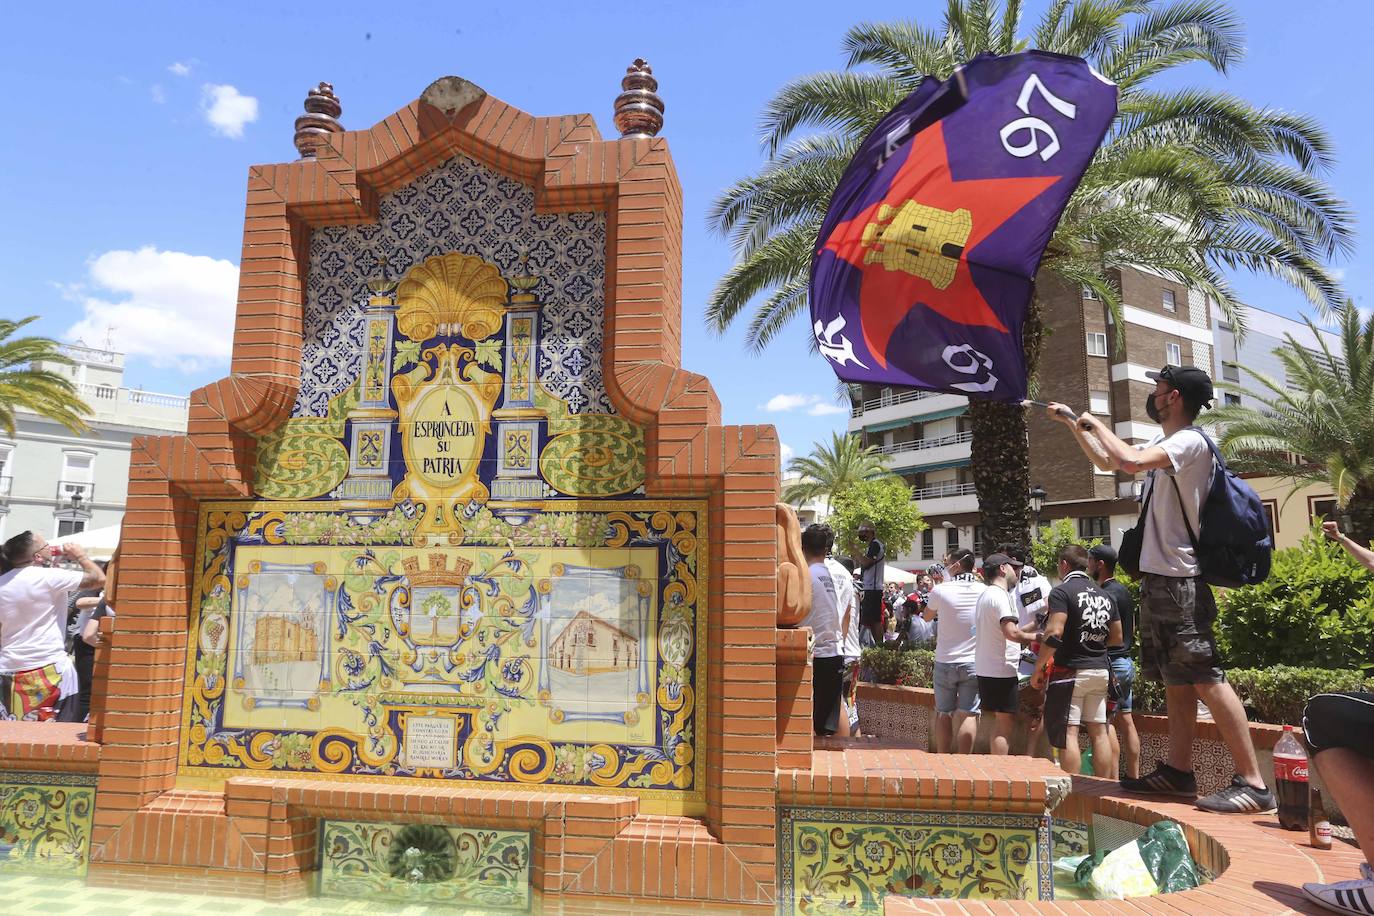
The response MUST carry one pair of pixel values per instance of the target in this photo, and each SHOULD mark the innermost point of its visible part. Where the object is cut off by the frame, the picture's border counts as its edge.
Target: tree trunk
(1361, 513)
(1000, 456)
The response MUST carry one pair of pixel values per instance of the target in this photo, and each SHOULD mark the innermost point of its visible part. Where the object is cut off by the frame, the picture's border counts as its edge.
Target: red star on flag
(886, 296)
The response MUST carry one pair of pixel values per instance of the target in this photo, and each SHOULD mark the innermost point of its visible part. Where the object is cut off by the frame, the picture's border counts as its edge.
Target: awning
(907, 421)
(99, 543)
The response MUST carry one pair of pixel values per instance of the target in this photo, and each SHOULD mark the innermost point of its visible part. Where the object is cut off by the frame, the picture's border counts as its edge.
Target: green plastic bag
(1157, 863)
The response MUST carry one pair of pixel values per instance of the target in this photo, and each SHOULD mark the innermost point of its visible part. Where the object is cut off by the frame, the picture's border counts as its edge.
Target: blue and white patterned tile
(461, 206)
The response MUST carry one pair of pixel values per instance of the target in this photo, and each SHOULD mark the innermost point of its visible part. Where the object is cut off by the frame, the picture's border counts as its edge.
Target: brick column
(795, 732)
(142, 699)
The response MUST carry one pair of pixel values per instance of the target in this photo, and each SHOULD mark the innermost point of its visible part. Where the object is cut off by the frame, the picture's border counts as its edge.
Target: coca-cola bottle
(1290, 781)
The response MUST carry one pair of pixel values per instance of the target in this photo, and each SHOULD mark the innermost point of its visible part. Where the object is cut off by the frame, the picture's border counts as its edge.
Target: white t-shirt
(1166, 549)
(845, 598)
(995, 655)
(824, 617)
(956, 604)
(33, 616)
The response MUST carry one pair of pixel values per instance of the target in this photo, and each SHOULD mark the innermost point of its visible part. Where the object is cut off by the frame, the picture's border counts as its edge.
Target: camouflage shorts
(1177, 645)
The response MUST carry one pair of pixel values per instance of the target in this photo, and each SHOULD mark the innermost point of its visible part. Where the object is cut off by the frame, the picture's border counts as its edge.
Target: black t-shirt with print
(1090, 614)
(1125, 609)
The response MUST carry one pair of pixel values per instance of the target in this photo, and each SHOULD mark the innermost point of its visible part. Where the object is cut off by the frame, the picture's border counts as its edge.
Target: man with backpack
(1177, 610)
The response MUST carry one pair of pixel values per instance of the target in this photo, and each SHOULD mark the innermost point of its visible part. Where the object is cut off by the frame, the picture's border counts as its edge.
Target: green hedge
(903, 667)
(1275, 695)
(1315, 610)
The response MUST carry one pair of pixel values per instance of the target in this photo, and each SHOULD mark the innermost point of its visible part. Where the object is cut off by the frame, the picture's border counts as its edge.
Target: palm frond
(848, 102)
(42, 391)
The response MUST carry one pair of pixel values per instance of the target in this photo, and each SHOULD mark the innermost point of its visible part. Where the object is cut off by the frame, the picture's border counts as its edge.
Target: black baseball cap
(1189, 381)
(1103, 552)
(992, 561)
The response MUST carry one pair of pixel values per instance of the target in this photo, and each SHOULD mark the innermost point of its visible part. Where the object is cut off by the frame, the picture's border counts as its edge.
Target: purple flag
(923, 269)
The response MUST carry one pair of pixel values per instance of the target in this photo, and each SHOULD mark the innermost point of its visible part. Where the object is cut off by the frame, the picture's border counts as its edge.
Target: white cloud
(780, 403)
(1338, 274)
(174, 309)
(785, 453)
(158, 94)
(226, 109)
(816, 405)
(179, 68)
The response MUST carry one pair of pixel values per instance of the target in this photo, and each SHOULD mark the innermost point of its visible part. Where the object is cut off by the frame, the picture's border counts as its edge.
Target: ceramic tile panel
(450, 570)
(464, 657)
(885, 719)
(848, 860)
(45, 821)
(463, 867)
(1071, 838)
(459, 206)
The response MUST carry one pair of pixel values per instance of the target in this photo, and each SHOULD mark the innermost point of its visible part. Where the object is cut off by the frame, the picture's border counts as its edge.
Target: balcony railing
(891, 400)
(159, 400)
(109, 393)
(75, 491)
(943, 489)
(917, 445)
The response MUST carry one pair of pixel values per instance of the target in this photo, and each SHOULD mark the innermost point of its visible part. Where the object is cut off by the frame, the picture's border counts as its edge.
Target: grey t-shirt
(1166, 549)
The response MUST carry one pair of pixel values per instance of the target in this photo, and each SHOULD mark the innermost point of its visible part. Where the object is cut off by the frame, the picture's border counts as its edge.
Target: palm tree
(1188, 183)
(1325, 415)
(40, 390)
(830, 469)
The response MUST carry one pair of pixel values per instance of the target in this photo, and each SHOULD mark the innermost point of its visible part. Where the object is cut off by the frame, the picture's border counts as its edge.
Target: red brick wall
(690, 453)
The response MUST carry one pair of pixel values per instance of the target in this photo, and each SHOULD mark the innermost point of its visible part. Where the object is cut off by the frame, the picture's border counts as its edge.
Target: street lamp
(1037, 502)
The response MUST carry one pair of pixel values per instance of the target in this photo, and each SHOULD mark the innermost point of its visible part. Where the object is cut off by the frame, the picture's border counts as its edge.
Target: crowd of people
(1058, 656)
(51, 603)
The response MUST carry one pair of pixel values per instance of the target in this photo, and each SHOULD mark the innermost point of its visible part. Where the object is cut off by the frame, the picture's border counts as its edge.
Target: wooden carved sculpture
(794, 579)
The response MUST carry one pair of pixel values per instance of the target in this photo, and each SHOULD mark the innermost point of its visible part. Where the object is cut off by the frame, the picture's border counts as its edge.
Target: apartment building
(1087, 363)
(56, 482)
(1235, 363)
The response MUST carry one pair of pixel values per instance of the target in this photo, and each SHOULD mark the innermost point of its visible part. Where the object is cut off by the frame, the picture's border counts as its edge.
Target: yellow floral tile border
(45, 821)
(848, 860)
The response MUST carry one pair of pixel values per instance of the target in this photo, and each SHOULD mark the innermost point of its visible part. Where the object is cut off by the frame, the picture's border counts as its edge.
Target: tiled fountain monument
(457, 588)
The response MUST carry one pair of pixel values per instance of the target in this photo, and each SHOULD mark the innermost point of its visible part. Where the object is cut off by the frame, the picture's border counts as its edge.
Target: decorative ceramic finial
(321, 118)
(639, 110)
(524, 282)
(382, 285)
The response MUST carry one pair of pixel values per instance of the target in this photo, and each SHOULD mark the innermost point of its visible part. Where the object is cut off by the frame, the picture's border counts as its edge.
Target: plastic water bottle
(1290, 779)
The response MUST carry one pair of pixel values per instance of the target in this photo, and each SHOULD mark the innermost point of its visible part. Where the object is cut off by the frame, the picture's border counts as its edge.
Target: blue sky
(129, 136)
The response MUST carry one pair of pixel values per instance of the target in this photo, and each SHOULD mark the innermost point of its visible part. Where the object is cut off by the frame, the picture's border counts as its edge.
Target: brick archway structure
(145, 825)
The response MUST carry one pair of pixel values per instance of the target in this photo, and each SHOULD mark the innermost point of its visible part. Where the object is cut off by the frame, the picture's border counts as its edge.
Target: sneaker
(1240, 798)
(1165, 780)
(1344, 896)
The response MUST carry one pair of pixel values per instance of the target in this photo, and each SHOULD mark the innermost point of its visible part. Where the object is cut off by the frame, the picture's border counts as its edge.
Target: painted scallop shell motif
(451, 294)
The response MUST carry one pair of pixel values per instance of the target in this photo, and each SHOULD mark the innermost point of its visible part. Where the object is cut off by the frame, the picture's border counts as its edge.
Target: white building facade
(925, 438)
(56, 482)
(1237, 360)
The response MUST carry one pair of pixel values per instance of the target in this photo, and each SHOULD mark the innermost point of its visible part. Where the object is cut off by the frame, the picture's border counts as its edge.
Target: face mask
(1151, 409)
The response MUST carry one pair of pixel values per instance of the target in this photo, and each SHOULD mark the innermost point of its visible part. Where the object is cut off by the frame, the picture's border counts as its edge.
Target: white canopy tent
(900, 576)
(100, 543)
